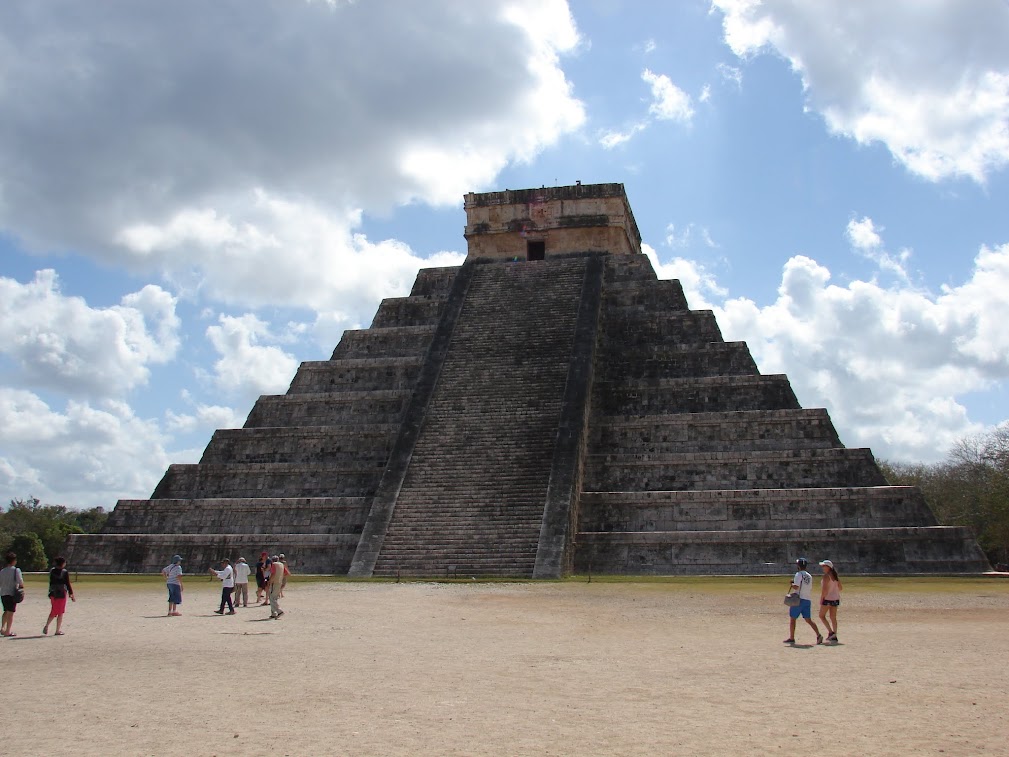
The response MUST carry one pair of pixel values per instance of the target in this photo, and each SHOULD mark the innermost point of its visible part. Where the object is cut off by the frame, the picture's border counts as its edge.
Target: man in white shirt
(227, 576)
(242, 572)
(802, 582)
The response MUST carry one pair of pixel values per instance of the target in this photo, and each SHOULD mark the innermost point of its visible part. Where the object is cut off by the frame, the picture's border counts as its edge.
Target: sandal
(788, 641)
(58, 633)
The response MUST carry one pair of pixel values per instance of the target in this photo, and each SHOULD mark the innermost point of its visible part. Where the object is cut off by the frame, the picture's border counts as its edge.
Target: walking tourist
(12, 591)
(173, 579)
(802, 582)
(274, 587)
(260, 578)
(227, 576)
(59, 590)
(830, 598)
(241, 594)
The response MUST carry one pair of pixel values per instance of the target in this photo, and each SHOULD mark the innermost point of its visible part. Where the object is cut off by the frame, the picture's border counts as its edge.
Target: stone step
(626, 268)
(149, 553)
(630, 327)
(240, 515)
(694, 395)
(754, 509)
(269, 480)
(408, 311)
(715, 432)
(402, 341)
(653, 296)
(804, 468)
(357, 374)
(661, 362)
(936, 549)
(327, 409)
(434, 282)
(306, 444)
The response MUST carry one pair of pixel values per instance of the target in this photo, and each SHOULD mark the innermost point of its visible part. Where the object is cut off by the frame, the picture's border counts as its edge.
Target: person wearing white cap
(802, 584)
(242, 571)
(830, 598)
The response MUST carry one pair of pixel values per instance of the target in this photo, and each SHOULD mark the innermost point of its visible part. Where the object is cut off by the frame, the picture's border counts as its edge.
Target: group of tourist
(271, 578)
(12, 593)
(802, 590)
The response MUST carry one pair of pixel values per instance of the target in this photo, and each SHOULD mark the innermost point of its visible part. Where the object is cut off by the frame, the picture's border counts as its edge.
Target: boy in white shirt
(802, 582)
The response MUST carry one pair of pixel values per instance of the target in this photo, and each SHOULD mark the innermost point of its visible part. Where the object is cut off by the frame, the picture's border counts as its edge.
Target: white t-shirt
(242, 571)
(228, 576)
(804, 581)
(172, 573)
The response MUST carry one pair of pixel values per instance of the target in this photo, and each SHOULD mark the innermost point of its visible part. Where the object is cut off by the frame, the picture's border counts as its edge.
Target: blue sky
(196, 197)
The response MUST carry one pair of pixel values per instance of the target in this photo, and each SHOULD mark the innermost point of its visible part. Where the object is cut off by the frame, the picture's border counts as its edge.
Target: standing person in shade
(274, 586)
(227, 576)
(11, 581)
(802, 582)
(173, 579)
(830, 598)
(242, 571)
(261, 578)
(59, 590)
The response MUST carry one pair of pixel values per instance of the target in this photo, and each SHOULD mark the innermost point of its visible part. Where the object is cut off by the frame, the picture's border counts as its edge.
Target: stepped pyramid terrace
(547, 407)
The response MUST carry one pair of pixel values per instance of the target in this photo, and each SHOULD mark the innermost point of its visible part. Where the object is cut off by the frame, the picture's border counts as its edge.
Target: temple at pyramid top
(548, 407)
(535, 224)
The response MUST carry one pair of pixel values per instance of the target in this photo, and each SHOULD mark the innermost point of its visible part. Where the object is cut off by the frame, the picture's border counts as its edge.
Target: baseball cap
(801, 562)
(177, 558)
(828, 563)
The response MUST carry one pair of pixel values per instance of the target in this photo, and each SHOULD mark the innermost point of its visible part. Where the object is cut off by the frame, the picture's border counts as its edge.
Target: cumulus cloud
(865, 239)
(83, 456)
(928, 80)
(139, 131)
(315, 258)
(249, 364)
(889, 363)
(61, 343)
(669, 102)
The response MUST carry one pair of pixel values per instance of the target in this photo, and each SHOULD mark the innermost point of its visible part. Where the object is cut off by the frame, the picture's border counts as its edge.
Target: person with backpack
(802, 583)
(59, 590)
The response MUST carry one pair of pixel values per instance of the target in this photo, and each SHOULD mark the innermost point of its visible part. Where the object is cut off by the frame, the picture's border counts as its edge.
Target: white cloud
(202, 418)
(680, 238)
(246, 366)
(928, 80)
(669, 102)
(61, 343)
(140, 133)
(732, 74)
(705, 95)
(84, 456)
(862, 234)
(865, 239)
(699, 285)
(611, 139)
(889, 363)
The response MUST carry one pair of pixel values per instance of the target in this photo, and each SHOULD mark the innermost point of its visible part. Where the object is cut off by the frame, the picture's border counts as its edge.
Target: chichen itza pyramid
(548, 407)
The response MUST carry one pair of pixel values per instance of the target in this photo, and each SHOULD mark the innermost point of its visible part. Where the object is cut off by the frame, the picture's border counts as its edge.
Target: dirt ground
(689, 667)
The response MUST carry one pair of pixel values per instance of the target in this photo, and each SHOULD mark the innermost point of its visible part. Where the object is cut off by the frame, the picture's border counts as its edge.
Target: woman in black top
(59, 589)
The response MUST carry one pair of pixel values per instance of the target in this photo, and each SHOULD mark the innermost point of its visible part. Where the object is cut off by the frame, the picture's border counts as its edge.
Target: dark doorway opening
(536, 250)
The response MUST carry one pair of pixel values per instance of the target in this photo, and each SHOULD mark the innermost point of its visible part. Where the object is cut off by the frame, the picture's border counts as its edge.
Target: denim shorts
(175, 594)
(805, 609)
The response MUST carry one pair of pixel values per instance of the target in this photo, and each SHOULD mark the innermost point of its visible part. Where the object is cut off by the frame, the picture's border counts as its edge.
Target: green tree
(30, 552)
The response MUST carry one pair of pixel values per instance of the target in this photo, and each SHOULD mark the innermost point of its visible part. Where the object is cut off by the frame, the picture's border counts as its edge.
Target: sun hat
(241, 559)
(828, 563)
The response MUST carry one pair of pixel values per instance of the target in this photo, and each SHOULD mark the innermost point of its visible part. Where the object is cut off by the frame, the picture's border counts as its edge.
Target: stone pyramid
(549, 406)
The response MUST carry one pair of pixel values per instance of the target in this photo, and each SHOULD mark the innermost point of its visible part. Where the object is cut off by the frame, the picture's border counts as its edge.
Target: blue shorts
(805, 609)
(174, 594)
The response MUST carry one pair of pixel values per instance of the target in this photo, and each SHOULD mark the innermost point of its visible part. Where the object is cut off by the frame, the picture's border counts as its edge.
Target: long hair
(833, 575)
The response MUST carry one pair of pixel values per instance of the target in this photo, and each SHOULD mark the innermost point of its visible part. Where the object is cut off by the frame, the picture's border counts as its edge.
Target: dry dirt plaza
(666, 667)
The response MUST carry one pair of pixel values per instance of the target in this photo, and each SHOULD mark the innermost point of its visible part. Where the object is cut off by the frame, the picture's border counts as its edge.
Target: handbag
(19, 594)
(792, 600)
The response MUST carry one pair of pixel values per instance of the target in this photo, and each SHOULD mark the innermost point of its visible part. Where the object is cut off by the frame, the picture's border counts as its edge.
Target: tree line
(37, 532)
(970, 487)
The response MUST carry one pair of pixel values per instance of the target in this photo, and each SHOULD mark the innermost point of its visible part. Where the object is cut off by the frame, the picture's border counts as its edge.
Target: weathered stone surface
(530, 418)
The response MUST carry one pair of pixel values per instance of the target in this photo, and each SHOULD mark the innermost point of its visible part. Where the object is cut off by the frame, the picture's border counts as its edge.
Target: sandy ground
(681, 668)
